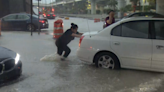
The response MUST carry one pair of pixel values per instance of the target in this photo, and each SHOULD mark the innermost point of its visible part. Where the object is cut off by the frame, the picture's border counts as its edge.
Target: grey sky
(43, 1)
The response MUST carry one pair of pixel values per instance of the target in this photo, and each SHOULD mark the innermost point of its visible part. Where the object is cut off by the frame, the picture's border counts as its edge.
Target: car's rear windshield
(35, 16)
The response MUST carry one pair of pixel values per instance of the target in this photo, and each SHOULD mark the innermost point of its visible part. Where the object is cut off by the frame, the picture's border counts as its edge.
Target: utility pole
(46, 1)
(144, 1)
(45, 5)
(38, 18)
(31, 15)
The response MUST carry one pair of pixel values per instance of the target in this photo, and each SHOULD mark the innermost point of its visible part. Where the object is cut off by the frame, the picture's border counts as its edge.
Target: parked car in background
(10, 64)
(22, 21)
(136, 43)
(51, 16)
(44, 15)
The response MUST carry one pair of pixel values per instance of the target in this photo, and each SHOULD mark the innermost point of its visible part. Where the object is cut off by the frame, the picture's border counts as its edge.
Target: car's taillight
(42, 21)
(81, 40)
(48, 15)
(54, 15)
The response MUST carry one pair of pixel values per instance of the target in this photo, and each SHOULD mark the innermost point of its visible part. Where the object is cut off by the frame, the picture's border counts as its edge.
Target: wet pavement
(71, 75)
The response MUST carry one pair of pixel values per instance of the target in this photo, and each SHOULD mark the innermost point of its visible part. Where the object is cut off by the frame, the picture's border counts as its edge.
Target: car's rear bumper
(50, 17)
(15, 72)
(44, 26)
(85, 54)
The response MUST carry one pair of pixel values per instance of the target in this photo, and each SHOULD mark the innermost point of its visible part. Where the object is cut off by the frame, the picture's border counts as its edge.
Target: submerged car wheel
(107, 60)
(30, 27)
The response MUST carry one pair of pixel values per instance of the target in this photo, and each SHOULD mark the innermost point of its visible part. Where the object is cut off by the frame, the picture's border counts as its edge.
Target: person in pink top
(110, 19)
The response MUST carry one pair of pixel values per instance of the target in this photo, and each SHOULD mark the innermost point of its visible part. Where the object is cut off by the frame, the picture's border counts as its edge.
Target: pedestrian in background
(110, 19)
(65, 39)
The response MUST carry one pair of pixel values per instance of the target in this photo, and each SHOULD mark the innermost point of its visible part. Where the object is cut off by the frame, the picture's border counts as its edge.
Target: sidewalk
(87, 16)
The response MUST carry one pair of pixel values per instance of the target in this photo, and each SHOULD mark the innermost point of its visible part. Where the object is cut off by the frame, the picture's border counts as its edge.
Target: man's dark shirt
(107, 18)
(66, 37)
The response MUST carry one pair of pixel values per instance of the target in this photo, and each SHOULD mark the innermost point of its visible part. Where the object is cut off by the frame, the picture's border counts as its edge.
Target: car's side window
(136, 29)
(116, 31)
(159, 30)
(158, 16)
(22, 17)
(10, 17)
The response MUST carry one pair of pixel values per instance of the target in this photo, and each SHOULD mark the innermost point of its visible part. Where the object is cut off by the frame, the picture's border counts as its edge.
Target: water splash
(52, 57)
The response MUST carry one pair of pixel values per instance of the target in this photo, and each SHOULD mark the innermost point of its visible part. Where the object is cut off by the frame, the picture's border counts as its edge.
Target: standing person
(110, 19)
(65, 39)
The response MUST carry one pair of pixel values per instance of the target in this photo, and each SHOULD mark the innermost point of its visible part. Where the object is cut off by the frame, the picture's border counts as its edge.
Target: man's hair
(110, 11)
(73, 26)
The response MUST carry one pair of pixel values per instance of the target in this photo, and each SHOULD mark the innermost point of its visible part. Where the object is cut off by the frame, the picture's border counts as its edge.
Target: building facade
(14, 6)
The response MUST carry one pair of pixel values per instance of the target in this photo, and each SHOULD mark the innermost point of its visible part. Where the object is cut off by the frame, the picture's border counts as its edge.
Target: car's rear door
(158, 45)
(8, 22)
(21, 21)
(131, 42)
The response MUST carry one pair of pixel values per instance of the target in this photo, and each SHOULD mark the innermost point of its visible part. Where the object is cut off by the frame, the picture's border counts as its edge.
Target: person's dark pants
(62, 47)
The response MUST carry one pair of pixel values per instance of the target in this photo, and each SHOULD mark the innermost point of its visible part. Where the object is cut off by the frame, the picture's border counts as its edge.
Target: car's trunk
(44, 20)
(90, 33)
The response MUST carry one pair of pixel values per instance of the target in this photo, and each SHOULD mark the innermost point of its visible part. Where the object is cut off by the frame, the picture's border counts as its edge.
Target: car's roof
(145, 12)
(140, 18)
(19, 13)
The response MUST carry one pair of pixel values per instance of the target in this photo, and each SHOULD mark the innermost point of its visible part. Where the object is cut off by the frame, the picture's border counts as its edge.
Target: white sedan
(136, 43)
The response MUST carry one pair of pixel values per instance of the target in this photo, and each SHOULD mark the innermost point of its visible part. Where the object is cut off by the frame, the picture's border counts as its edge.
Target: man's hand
(80, 33)
(76, 35)
(111, 15)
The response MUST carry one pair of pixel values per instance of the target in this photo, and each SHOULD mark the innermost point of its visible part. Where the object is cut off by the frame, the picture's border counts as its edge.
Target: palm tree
(152, 2)
(113, 4)
(134, 4)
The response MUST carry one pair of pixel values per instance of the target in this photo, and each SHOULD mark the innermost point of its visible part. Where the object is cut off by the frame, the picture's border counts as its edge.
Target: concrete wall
(14, 6)
(28, 6)
(160, 6)
(142, 3)
(4, 7)
(17, 6)
(11, 6)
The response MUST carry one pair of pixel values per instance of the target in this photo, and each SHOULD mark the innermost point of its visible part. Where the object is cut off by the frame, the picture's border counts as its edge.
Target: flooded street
(71, 75)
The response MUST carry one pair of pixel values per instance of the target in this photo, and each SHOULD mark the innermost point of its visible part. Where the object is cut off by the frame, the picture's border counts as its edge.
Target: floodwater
(71, 75)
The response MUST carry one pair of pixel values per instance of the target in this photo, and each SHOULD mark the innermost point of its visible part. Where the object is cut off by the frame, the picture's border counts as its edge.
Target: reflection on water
(76, 76)
(13, 81)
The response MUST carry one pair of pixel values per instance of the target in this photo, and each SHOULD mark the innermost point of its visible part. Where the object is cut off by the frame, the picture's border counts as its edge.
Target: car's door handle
(160, 47)
(116, 43)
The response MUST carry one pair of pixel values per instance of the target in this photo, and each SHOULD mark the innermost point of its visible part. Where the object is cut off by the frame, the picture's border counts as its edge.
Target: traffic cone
(58, 28)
